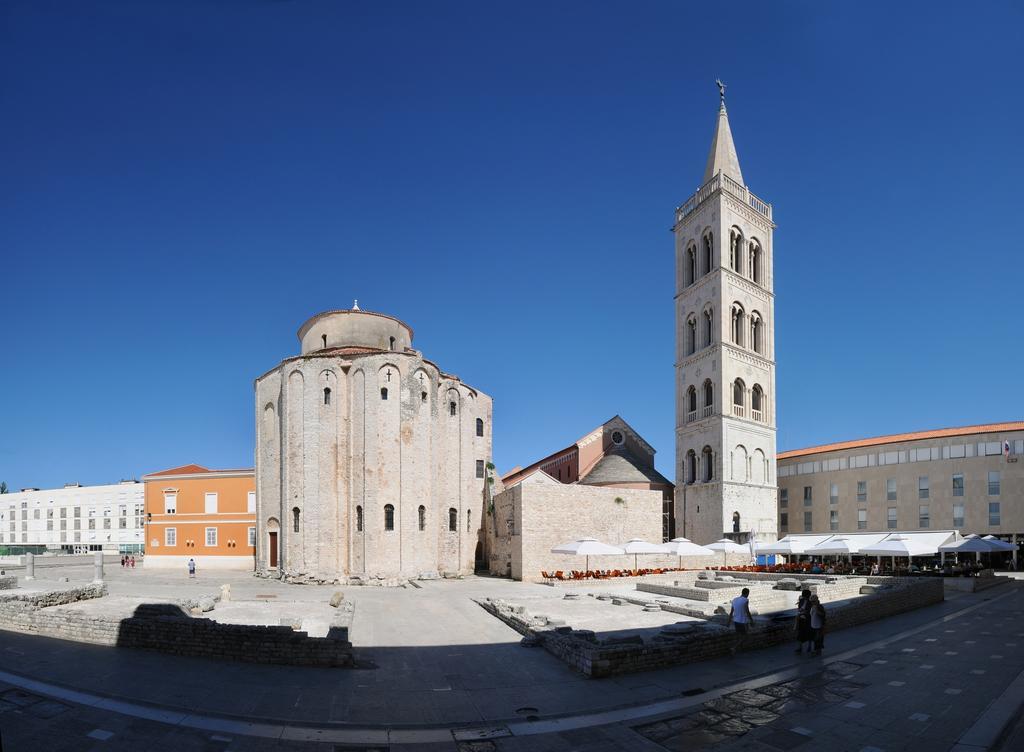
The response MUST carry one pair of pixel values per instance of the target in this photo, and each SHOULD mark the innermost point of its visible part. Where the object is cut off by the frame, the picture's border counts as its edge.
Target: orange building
(196, 513)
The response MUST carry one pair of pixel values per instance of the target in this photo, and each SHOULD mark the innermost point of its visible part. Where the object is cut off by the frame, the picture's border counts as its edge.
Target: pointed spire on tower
(722, 157)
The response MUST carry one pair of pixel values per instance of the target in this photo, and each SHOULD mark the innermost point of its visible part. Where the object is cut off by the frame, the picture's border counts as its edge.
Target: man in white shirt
(739, 616)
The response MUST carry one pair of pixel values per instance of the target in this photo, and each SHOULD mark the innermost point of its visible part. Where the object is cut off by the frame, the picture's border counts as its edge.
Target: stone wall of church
(385, 435)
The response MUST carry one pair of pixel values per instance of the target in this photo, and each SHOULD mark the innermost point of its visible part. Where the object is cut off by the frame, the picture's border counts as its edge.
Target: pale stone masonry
(371, 461)
(725, 355)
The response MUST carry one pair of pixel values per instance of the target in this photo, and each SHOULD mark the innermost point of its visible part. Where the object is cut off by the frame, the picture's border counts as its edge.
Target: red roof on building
(195, 470)
(896, 438)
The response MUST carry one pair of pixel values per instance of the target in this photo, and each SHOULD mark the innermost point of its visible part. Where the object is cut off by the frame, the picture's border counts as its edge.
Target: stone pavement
(437, 661)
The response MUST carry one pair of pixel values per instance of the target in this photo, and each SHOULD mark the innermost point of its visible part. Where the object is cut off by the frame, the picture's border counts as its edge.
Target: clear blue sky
(183, 183)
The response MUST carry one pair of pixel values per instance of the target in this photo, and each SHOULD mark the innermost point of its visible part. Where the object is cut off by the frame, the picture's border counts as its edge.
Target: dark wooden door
(273, 549)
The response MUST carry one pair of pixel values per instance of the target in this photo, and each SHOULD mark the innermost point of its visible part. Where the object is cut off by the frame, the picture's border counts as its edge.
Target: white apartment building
(74, 519)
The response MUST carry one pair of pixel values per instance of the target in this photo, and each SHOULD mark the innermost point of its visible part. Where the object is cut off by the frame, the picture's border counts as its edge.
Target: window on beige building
(922, 487)
(808, 496)
(922, 516)
(993, 514)
(890, 489)
(252, 537)
(833, 493)
(833, 519)
(170, 536)
(170, 503)
(862, 519)
(250, 502)
(807, 522)
(784, 522)
(891, 518)
(958, 484)
(993, 483)
(862, 490)
(210, 502)
(958, 515)
(479, 427)
(783, 497)
(211, 537)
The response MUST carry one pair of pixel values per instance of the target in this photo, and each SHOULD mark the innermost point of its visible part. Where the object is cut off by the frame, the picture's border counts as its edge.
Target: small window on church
(295, 519)
(392, 343)
(389, 517)
(324, 338)
(453, 520)
(423, 396)
(383, 392)
(327, 395)
(423, 517)
(359, 519)
(451, 408)
(617, 438)
(479, 427)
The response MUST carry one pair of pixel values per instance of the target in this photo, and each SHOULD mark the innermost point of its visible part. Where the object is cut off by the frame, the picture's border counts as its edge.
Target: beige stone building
(604, 486)
(969, 479)
(371, 461)
(725, 355)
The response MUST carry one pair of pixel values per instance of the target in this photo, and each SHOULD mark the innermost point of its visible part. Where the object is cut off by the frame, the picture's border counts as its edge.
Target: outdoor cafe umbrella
(897, 545)
(684, 547)
(1000, 544)
(727, 546)
(836, 546)
(639, 546)
(587, 547)
(971, 544)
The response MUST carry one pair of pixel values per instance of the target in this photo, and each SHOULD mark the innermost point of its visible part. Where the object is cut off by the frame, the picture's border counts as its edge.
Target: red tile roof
(196, 470)
(901, 437)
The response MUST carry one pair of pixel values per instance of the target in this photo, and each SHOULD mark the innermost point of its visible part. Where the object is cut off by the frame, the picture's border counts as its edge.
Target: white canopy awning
(685, 547)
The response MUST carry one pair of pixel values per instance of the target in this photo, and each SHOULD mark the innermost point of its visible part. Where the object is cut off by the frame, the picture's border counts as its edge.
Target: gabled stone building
(370, 460)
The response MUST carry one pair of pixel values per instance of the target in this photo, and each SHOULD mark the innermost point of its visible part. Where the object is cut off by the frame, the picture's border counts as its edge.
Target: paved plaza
(437, 672)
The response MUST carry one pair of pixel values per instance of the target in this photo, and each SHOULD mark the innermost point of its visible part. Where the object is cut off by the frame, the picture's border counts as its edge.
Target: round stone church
(371, 462)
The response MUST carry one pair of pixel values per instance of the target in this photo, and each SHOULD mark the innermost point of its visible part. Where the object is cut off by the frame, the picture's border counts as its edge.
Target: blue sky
(184, 183)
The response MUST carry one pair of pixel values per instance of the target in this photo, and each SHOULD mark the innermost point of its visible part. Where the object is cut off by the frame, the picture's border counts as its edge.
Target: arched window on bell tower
(736, 244)
(691, 404)
(737, 324)
(756, 332)
(690, 272)
(707, 252)
(691, 334)
(754, 262)
(708, 327)
(709, 398)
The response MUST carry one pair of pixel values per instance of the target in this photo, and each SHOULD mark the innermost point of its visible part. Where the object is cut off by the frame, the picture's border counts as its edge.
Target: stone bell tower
(725, 354)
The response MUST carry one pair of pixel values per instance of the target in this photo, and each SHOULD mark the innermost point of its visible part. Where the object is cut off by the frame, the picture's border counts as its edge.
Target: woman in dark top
(803, 622)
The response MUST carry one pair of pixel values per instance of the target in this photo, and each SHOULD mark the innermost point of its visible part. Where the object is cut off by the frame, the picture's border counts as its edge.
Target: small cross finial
(721, 90)
(355, 304)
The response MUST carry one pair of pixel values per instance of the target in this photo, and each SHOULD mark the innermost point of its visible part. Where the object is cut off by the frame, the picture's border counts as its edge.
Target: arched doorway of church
(272, 542)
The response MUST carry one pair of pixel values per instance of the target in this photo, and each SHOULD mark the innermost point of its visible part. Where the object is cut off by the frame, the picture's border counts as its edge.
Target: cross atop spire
(722, 157)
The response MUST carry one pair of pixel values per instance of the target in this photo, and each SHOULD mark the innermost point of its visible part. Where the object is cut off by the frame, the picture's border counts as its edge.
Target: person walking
(192, 568)
(740, 617)
(122, 562)
(803, 622)
(817, 624)
(133, 562)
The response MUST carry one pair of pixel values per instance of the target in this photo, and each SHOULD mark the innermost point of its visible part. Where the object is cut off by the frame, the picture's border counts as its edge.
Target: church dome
(354, 328)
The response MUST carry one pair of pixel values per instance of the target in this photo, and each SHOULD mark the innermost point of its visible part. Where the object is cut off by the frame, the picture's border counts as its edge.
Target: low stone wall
(686, 643)
(8, 582)
(972, 584)
(168, 628)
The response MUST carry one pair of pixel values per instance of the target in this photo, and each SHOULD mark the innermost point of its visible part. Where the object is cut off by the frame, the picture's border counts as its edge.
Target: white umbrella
(727, 546)
(587, 547)
(834, 547)
(684, 547)
(787, 546)
(898, 545)
(972, 544)
(639, 546)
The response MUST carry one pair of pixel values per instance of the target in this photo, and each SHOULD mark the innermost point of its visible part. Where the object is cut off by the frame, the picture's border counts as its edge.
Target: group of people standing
(810, 621)
(810, 624)
(127, 562)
